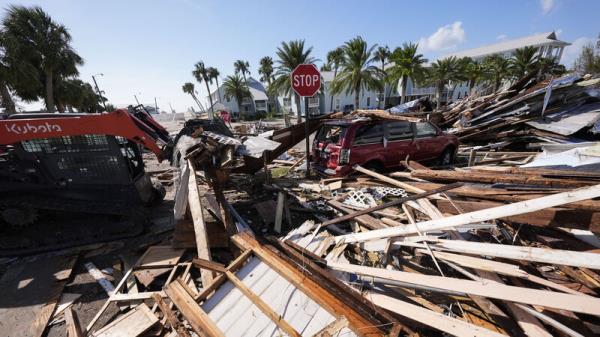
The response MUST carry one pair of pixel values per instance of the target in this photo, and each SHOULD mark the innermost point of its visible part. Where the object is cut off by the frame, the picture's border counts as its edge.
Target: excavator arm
(116, 123)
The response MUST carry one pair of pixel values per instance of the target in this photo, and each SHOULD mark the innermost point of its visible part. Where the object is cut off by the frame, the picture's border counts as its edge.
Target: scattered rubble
(503, 243)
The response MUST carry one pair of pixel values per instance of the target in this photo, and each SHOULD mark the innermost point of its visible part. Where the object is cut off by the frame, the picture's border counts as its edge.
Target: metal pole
(98, 90)
(307, 135)
(138, 102)
(155, 105)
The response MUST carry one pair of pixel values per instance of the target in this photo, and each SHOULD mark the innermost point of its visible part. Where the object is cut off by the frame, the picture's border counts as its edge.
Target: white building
(259, 102)
(548, 45)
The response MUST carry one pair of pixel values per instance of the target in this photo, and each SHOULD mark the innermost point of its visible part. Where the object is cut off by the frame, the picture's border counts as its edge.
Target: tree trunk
(251, 97)
(334, 76)
(49, 92)
(70, 108)
(7, 101)
(471, 86)
(197, 102)
(239, 104)
(211, 111)
(403, 94)
(382, 94)
(440, 88)
(298, 108)
(356, 99)
(60, 107)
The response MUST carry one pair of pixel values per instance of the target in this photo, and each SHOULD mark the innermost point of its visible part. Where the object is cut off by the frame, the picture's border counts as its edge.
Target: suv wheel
(447, 157)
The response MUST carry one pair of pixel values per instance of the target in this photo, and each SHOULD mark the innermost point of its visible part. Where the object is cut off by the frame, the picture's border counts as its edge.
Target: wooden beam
(333, 328)
(334, 305)
(533, 254)
(477, 216)
(198, 319)
(209, 265)
(436, 320)
(279, 212)
(181, 194)
(493, 178)
(199, 226)
(221, 278)
(73, 325)
(583, 304)
(262, 305)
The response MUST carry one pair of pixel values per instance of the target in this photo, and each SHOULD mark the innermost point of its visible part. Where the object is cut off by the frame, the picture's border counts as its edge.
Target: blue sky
(149, 47)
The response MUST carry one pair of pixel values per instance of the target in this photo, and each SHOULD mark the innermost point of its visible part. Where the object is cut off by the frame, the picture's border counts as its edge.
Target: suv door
(426, 146)
(367, 145)
(399, 138)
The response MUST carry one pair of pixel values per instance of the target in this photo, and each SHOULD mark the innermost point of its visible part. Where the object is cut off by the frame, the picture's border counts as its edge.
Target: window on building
(368, 101)
(369, 134)
(246, 100)
(228, 99)
(338, 104)
(287, 102)
(399, 131)
(313, 101)
(425, 130)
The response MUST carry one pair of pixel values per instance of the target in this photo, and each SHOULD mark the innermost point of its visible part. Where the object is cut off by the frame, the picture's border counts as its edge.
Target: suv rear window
(399, 131)
(369, 134)
(331, 134)
(425, 130)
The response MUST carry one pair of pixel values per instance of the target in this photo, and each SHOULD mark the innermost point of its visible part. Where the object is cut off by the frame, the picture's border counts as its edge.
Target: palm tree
(234, 87)
(357, 73)
(243, 67)
(188, 88)
(407, 64)
(442, 72)
(213, 73)
(474, 72)
(498, 69)
(524, 61)
(334, 60)
(382, 54)
(325, 67)
(291, 54)
(266, 70)
(45, 44)
(200, 72)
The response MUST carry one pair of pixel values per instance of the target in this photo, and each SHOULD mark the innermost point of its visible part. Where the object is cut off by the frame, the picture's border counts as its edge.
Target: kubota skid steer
(72, 179)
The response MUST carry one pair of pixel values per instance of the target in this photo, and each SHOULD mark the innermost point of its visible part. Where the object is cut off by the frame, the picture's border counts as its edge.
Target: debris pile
(555, 111)
(484, 250)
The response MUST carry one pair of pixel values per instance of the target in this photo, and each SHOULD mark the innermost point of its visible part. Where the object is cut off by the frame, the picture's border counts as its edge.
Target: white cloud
(547, 5)
(501, 37)
(446, 37)
(571, 52)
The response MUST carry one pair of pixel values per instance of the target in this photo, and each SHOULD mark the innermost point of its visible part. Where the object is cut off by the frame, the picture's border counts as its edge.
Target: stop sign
(306, 80)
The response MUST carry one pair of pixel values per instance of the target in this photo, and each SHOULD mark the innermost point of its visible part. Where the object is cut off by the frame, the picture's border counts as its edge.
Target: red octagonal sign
(306, 80)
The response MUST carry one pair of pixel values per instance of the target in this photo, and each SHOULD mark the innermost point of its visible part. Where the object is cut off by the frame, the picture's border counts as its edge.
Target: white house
(549, 46)
(258, 103)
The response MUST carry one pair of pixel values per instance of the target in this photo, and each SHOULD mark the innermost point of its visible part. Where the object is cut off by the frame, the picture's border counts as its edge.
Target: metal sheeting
(236, 315)
(571, 121)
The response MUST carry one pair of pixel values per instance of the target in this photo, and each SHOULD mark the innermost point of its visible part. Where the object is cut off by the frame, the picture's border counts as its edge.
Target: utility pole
(136, 99)
(98, 89)
(170, 106)
(155, 104)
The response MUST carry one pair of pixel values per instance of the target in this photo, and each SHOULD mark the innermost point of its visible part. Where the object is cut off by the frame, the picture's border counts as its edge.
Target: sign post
(306, 82)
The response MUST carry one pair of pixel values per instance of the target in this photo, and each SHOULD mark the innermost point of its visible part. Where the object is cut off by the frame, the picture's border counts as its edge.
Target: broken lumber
(584, 304)
(477, 216)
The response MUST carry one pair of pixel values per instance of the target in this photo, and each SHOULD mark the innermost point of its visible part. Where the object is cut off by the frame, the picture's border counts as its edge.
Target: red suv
(379, 144)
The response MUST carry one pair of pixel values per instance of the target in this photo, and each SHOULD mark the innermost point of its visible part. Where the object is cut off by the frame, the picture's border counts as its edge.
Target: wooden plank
(583, 304)
(430, 318)
(199, 226)
(264, 307)
(209, 265)
(176, 325)
(193, 313)
(181, 195)
(524, 253)
(477, 216)
(72, 322)
(30, 293)
(132, 324)
(156, 255)
(548, 217)
(325, 299)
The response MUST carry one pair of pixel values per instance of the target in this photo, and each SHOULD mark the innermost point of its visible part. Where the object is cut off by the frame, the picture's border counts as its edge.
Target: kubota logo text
(29, 128)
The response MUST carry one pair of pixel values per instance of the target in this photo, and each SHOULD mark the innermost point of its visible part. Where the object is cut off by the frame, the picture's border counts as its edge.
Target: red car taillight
(344, 157)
